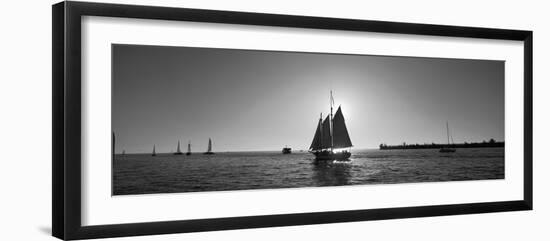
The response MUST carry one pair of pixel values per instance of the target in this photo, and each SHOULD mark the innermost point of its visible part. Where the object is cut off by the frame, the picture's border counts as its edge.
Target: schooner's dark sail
(340, 131)
(331, 134)
(154, 152)
(188, 149)
(316, 144)
(326, 135)
(209, 151)
(178, 152)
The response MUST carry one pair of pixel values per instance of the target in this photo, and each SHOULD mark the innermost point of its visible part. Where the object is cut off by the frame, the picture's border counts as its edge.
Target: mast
(321, 128)
(331, 124)
(113, 146)
(209, 145)
(448, 143)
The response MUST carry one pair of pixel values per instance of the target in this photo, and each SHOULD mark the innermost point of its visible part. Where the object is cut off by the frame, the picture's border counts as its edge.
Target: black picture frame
(66, 159)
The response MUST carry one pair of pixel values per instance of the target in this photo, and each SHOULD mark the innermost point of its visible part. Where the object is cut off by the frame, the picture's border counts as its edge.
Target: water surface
(167, 173)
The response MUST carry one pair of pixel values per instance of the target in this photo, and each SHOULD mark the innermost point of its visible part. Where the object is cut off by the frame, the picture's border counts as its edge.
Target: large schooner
(331, 135)
(154, 152)
(178, 152)
(209, 151)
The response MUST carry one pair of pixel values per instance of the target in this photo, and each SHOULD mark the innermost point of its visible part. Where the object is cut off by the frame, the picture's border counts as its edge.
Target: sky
(251, 100)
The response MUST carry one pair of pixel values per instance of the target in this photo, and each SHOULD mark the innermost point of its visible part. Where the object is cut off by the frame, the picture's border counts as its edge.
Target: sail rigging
(331, 132)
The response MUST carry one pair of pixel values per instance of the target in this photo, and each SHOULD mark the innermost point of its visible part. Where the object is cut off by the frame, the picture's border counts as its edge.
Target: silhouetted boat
(331, 134)
(178, 151)
(209, 151)
(448, 148)
(188, 149)
(287, 150)
(123, 152)
(154, 152)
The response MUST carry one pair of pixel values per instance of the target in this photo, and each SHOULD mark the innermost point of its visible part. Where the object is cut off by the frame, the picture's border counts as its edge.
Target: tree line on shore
(490, 143)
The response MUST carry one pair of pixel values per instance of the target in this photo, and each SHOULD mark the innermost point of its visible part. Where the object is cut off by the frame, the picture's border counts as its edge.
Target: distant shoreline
(298, 151)
(484, 144)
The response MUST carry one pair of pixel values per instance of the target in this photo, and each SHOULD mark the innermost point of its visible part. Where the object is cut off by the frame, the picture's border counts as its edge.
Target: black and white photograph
(275, 120)
(193, 119)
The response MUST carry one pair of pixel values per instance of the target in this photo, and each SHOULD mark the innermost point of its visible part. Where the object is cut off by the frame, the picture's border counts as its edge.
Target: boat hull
(178, 153)
(330, 156)
(447, 150)
(209, 153)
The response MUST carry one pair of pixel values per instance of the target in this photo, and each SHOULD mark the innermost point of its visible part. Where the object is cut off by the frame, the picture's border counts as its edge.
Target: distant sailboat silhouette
(331, 134)
(209, 151)
(188, 149)
(448, 148)
(154, 152)
(178, 152)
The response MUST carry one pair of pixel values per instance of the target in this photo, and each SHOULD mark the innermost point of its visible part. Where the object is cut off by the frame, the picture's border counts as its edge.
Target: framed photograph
(171, 120)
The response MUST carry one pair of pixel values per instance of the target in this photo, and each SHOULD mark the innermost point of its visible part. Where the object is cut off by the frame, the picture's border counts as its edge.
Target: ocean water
(167, 173)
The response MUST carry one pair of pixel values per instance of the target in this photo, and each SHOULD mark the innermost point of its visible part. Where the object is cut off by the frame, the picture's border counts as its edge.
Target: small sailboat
(331, 134)
(154, 152)
(123, 152)
(209, 151)
(448, 148)
(178, 151)
(188, 149)
(287, 150)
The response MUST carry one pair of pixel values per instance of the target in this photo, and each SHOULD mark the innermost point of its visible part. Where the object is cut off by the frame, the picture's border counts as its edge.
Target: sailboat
(448, 148)
(188, 149)
(331, 134)
(154, 152)
(287, 150)
(178, 152)
(209, 151)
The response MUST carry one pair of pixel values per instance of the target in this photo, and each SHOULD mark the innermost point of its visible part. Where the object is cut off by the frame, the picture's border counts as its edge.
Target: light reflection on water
(166, 173)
